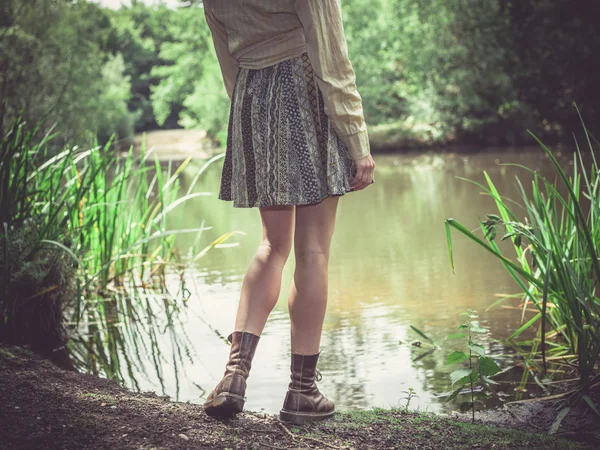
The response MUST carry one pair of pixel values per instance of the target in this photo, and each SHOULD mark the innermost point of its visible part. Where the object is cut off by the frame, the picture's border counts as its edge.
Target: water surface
(389, 269)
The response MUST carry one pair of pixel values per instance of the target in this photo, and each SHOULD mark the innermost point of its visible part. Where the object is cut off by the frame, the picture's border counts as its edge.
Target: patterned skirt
(281, 147)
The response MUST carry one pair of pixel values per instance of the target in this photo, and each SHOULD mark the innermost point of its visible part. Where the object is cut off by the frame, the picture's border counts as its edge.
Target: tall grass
(109, 213)
(556, 243)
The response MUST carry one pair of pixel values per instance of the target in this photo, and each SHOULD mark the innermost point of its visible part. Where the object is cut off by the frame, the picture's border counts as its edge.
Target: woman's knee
(311, 256)
(280, 248)
(278, 231)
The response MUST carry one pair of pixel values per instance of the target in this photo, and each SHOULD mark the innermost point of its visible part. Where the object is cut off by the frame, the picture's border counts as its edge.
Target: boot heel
(301, 419)
(225, 405)
(293, 418)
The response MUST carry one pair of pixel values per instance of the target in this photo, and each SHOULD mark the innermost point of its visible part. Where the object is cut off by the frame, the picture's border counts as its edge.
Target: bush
(38, 280)
(556, 248)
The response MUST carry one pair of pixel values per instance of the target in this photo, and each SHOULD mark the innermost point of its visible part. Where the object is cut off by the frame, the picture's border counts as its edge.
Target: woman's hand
(365, 168)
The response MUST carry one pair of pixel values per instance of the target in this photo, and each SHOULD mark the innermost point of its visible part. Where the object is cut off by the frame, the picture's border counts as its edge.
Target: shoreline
(46, 407)
(179, 144)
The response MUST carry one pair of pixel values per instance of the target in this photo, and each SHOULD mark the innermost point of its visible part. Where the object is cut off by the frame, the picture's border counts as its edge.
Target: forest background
(429, 71)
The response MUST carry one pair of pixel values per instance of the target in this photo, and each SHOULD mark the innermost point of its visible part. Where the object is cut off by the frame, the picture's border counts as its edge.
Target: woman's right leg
(307, 304)
(308, 294)
(262, 283)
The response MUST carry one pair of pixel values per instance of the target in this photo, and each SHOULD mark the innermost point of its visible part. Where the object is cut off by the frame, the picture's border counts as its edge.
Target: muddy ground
(43, 407)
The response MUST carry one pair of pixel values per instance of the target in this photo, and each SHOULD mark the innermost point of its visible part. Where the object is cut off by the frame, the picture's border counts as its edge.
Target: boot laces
(318, 375)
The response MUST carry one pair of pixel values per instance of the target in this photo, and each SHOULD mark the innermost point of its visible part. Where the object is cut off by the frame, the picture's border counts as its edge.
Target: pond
(389, 269)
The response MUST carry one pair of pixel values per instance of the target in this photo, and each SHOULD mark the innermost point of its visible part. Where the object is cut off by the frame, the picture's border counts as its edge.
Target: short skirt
(281, 146)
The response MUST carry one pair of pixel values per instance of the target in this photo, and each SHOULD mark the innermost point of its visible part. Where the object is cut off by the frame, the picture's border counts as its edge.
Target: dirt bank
(44, 407)
(176, 144)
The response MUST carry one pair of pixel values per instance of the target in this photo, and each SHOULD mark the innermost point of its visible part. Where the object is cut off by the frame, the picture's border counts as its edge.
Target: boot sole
(224, 405)
(299, 418)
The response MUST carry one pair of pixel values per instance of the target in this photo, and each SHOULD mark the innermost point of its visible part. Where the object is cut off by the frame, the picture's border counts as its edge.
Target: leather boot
(303, 401)
(228, 397)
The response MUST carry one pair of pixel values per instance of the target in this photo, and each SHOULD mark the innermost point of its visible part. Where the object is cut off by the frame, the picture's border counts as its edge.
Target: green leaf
(559, 418)
(463, 326)
(65, 249)
(590, 403)
(459, 374)
(487, 380)
(454, 394)
(456, 357)
(468, 378)
(525, 326)
(449, 241)
(488, 367)
(518, 240)
(476, 348)
(423, 335)
(491, 234)
(475, 328)
(456, 336)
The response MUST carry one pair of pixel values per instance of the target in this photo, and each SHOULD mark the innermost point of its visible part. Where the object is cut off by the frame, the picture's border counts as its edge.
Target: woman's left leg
(260, 291)
(262, 283)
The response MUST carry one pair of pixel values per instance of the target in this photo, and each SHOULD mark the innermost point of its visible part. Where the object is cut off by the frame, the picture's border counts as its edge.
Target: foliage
(553, 44)
(410, 394)
(207, 108)
(436, 63)
(139, 32)
(467, 71)
(109, 213)
(486, 366)
(475, 71)
(170, 56)
(37, 280)
(57, 58)
(373, 50)
(184, 59)
(556, 248)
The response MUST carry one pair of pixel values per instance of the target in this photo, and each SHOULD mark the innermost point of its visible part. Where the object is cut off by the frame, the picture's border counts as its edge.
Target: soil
(44, 407)
(553, 414)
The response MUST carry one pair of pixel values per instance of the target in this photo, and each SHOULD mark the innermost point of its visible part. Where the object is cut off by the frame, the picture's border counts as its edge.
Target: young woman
(297, 141)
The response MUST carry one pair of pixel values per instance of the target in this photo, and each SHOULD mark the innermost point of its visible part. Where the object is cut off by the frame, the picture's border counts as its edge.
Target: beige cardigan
(258, 33)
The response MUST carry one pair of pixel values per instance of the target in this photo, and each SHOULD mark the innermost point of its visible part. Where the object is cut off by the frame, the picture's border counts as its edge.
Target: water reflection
(389, 269)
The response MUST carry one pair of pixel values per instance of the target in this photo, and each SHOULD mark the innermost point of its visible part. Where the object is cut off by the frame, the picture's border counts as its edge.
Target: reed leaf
(555, 264)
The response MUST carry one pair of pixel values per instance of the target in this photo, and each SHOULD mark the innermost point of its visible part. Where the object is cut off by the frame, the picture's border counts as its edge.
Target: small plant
(410, 394)
(480, 368)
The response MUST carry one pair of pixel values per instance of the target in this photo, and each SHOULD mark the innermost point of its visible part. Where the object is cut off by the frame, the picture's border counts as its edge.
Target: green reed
(109, 211)
(556, 243)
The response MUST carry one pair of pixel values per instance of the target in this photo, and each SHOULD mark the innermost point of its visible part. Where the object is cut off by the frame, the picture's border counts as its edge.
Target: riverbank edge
(390, 138)
(45, 407)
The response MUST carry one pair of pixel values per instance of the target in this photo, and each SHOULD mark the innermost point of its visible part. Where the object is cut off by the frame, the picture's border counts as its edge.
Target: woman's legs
(314, 227)
(262, 283)
(308, 294)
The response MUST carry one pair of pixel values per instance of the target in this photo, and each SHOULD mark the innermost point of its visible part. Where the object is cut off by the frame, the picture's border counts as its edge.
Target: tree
(52, 63)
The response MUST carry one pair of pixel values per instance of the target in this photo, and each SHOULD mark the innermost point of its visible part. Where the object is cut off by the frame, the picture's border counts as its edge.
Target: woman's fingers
(364, 181)
(365, 169)
(357, 177)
